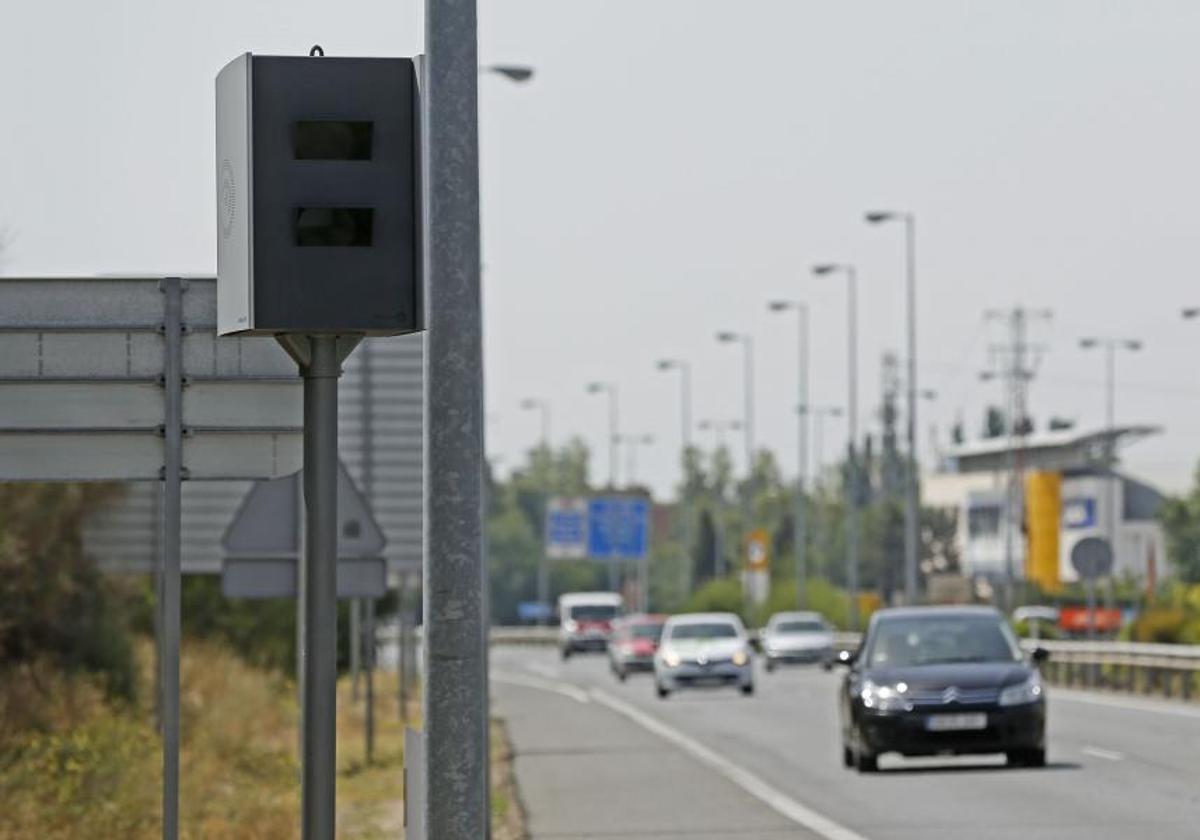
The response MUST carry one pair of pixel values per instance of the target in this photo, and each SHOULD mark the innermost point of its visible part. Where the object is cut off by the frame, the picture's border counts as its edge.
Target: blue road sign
(566, 528)
(618, 528)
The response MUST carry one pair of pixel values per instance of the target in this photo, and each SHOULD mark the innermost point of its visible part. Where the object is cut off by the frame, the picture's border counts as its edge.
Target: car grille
(723, 660)
(952, 695)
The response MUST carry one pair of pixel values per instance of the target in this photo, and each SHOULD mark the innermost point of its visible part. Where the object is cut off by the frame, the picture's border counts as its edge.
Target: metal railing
(1131, 667)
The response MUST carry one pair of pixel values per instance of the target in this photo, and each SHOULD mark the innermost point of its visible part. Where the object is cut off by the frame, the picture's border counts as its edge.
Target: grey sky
(674, 165)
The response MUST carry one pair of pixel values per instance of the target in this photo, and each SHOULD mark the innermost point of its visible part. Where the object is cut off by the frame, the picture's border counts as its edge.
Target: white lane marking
(1133, 704)
(565, 689)
(541, 669)
(747, 781)
(1107, 755)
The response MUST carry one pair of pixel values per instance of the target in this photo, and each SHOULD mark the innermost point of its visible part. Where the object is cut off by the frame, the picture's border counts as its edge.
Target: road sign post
(163, 400)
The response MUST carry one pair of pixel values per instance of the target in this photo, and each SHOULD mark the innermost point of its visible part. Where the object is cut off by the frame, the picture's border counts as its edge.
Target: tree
(1180, 517)
(994, 423)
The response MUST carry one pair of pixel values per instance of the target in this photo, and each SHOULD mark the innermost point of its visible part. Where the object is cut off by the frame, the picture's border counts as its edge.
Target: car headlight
(671, 659)
(885, 698)
(740, 658)
(570, 625)
(1029, 691)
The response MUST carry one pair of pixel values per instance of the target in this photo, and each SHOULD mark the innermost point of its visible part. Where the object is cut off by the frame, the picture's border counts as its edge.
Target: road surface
(596, 758)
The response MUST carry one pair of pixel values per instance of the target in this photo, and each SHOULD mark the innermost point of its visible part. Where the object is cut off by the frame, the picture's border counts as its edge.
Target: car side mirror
(1039, 655)
(843, 657)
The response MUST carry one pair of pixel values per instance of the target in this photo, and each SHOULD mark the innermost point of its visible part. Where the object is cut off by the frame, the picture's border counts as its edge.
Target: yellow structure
(1043, 515)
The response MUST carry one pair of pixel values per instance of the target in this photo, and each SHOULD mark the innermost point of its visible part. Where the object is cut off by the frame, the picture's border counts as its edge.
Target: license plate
(956, 723)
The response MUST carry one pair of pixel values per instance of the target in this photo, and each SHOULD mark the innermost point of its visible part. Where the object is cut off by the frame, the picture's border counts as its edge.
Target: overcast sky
(677, 163)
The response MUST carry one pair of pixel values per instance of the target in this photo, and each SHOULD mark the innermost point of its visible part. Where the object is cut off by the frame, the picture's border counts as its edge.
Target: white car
(586, 620)
(796, 637)
(703, 649)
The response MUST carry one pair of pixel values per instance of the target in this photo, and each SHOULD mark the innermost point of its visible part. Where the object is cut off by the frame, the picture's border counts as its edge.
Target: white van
(586, 619)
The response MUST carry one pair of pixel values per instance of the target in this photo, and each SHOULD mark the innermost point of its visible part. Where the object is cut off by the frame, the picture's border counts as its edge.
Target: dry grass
(73, 765)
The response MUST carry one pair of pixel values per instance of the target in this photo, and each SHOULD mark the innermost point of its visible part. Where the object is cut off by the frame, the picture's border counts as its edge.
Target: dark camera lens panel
(336, 227)
(332, 139)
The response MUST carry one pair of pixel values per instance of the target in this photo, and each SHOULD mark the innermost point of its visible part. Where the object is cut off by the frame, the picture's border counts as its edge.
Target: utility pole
(1015, 361)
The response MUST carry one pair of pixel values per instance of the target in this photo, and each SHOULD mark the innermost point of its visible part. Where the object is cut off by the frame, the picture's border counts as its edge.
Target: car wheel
(748, 689)
(622, 674)
(847, 756)
(866, 763)
(566, 653)
(663, 693)
(1028, 758)
(770, 666)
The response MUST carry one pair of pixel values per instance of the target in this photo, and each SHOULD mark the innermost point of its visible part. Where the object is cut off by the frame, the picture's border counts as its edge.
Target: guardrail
(1132, 667)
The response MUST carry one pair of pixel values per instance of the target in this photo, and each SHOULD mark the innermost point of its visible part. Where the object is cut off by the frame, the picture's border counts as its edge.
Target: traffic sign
(566, 528)
(618, 527)
(1092, 558)
(758, 550)
(82, 379)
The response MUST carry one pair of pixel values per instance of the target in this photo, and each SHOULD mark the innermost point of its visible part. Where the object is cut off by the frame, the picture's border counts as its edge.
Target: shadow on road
(978, 768)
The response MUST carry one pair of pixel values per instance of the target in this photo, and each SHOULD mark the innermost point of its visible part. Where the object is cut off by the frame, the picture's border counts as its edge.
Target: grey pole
(355, 646)
(800, 534)
(169, 591)
(614, 432)
(456, 702)
(912, 499)
(852, 471)
(542, 582)
(368, 639)
(320, 588)
(852, 450)
(685, 443)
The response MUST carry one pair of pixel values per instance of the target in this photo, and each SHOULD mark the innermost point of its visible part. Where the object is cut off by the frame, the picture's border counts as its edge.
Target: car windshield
(708, 630)
(809, 626)
(593, 612)
(934, 640)
(646, 631)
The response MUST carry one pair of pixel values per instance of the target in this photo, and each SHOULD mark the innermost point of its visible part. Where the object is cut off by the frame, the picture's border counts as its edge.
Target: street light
(611, 390)
(719, 428)
(820, 412)
(518, 73)
(800, 536)
(685, 441)
(534, 404)
(1110, 346)
(632, 442)
(912, 488)
(824, 270)
(747, 342)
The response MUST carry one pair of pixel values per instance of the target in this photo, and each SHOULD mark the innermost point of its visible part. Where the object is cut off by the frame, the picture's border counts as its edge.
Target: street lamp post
(543, 581)
(614, 434)
(519, 73)
(800, 532)
(685, 443)
(632, 442)
(852, 483)
(912, 499)
(1110, 347)
(747, 343)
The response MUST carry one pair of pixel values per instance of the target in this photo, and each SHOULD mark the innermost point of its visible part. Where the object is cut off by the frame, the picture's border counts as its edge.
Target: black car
(941, 680)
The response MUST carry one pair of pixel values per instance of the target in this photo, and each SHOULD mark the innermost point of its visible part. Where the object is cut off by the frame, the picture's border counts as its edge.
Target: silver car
(703, 649)
(796, 637)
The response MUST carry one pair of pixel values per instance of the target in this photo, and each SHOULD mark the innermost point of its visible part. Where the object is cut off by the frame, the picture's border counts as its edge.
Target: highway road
(599, 759)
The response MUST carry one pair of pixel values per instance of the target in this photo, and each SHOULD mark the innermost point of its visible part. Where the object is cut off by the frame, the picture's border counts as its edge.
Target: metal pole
(685, 412)
(169, 591)
(355, 646)
(852, 491)
(456, 702)
(401, 650)
(800, 538)
(614, 432)
(369, 667)
(912, 510)
(320, 595)
(748, 375)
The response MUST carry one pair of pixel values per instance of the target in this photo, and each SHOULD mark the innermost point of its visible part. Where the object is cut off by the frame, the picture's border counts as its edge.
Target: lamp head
(875, 217)
(821, 269)
(513, 72)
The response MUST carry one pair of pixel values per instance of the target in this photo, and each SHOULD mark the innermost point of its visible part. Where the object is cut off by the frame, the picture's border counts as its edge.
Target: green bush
(723, 595)
(1160, 624)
